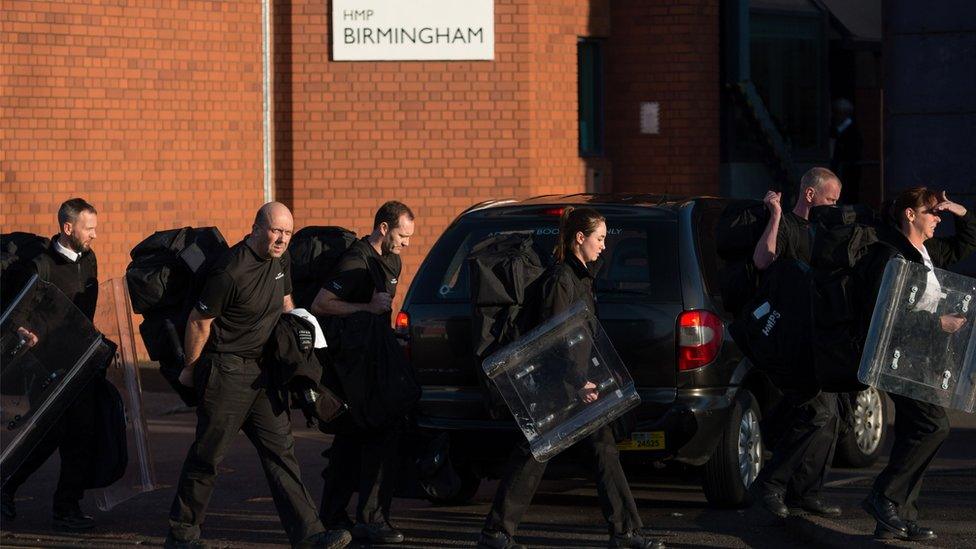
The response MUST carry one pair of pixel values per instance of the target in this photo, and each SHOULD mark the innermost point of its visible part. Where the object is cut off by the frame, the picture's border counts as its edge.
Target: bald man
(242, 299)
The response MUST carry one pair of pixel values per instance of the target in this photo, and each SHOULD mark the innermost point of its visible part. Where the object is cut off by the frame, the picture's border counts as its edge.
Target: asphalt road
(565, 512)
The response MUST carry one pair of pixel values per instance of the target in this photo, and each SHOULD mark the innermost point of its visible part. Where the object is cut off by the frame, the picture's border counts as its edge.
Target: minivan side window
(640, 259)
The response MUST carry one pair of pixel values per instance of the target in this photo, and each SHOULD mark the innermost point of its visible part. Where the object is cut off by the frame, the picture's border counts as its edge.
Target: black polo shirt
(793, 238)
(361, 270)
(244, 294)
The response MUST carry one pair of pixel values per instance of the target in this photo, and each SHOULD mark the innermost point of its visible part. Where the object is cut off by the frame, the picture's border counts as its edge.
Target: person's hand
(30, 338)
(952, 323)
(946, 205)
(772, 202)
(186, 376)
(381, 303)
(589, 393)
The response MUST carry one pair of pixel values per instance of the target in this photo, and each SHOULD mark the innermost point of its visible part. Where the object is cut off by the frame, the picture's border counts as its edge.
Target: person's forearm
(331, 306)
(765, 252)
(197, 333)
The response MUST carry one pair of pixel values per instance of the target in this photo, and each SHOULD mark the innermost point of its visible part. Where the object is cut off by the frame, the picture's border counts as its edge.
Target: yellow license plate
(653, 440)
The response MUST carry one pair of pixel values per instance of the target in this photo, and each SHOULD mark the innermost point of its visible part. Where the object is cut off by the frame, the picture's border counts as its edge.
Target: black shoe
(633, 540)
(377, 532)
(497, 540)
(884, 511)
(818, 506)
(330, 539)
(73, 520)
(173, 543)
(8, 509)
(918, 533)
(772, 501)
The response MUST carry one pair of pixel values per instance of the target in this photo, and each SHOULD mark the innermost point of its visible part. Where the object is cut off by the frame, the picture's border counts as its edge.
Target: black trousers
(366, 463)
(516, 490)
(920, 430)
(802, 457)
(231, 400)
(72, 435)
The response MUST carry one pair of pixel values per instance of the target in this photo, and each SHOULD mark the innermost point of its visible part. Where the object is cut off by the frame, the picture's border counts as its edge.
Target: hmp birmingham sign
(412, 30)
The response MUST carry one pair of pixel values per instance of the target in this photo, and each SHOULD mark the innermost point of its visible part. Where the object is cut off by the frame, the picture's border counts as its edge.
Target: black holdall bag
(368, 369)
(373, 376)
(166, 267)
(506, 276)
(164, 279)
(111, 455)
(739, 228)
(18, 250)
(314, 252)
(841, 236)
(774, 330)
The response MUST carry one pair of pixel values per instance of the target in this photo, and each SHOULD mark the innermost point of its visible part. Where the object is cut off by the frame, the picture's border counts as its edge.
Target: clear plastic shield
(49, 351)
(549, 378)
(922, 341)
(113, 318)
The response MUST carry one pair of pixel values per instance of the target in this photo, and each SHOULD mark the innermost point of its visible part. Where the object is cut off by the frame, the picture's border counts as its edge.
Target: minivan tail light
(401, 327)
(699, 339)
(402, 323)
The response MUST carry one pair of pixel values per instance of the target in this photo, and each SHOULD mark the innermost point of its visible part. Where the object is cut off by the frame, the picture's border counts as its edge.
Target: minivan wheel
(738, 457)
(861, 445)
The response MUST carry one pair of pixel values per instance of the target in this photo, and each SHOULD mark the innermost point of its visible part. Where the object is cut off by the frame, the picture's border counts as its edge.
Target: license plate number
(653, 440)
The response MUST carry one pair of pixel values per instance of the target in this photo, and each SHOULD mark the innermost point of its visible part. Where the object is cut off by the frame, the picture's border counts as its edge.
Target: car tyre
(862, 444)
(738, 457)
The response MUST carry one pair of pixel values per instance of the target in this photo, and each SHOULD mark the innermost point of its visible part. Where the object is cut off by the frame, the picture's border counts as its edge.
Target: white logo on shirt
(202, 307)
(393, 281)
(336, 285)
(280, 276)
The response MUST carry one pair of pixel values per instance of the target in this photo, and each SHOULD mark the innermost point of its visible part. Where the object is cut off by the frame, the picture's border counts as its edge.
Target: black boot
(772, 501)
(817, 506)
(497, 540)
(886, 513)
(918, 533)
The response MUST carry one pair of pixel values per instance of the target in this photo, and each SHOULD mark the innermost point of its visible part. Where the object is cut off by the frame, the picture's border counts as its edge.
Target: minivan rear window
(640, 260)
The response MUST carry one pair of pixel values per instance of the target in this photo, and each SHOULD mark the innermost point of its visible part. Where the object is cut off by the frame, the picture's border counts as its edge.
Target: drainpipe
(266, 100)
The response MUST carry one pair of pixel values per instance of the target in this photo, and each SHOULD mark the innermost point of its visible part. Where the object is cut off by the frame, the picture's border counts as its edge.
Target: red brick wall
(664, 51)
(154, 114)
(439, 136)
(150, 113)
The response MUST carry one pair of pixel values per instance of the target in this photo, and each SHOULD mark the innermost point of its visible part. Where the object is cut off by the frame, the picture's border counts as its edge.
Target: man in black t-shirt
(241, 302)
(365, 280)
(69, 264)
(802, 456)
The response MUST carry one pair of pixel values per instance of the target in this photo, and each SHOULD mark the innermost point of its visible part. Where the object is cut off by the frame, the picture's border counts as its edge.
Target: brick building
(153, 111)
(166, 113)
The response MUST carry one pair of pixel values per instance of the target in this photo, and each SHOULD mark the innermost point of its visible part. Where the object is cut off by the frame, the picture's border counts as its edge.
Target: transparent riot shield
(549, 378)
(113, 318)
(49, 351)
(922, 341)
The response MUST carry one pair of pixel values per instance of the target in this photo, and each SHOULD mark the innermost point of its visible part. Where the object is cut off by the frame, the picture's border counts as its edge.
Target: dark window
(640, 259)
(788, 58)
(590, 60)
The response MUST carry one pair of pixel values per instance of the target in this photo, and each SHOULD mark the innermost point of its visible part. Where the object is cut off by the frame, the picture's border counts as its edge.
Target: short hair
(817, 177)
(71, 209)
(390, 213)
